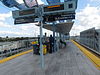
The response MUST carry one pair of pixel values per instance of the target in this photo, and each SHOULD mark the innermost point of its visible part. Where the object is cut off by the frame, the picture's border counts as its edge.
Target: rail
(11, 52)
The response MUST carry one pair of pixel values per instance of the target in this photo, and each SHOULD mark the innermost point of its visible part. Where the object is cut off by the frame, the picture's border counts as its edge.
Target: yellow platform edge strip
(95, 60)
(14, 56)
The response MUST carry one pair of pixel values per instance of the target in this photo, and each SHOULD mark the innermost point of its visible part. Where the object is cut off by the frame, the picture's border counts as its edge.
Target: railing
(8, 53)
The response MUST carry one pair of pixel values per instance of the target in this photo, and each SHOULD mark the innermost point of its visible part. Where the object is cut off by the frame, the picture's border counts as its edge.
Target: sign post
(40, 14)
(41, 46)
(54, 47)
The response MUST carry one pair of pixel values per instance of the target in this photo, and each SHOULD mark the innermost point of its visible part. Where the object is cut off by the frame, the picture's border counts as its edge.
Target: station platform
(67, 61)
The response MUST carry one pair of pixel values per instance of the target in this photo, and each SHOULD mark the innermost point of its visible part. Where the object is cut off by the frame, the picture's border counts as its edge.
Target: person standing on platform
(51, 41)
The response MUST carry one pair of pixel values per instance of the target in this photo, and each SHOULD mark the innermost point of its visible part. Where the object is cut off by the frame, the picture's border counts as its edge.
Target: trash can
(44, 49)
(36, 49)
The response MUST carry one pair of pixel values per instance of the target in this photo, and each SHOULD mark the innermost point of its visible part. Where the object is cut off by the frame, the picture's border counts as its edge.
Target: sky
(87, 16)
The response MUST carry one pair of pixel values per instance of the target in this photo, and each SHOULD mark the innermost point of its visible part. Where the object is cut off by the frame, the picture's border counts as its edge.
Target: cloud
(20, 1)
(7, 28)
(2, 24)
(95, 0)
(3, 16)
(39, 1)
(12, 34)
(87, 18)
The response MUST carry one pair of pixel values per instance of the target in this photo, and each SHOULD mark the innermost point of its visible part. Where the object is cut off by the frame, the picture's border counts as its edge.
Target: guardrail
(8, 53)
(90, 49)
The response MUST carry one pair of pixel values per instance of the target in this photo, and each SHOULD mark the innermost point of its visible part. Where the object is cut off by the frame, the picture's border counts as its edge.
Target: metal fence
(10, 48)
(91, 38)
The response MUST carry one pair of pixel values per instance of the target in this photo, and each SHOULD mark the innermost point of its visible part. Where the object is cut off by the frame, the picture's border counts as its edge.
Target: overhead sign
(50, 13)
(60, 11)
(53, 1)
(63, 7)
(24, 16)
(24, 13)
(52, 18)
(24, 20)
(65, 17)
(54, 8)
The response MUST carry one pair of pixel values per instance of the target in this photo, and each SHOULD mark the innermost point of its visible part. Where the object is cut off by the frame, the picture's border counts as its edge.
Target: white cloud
(2, 24)
(39, 1)
(87, 18)
(95, 0)
(11, 33)
(29, 26)
(3, 16)
(8, 29)
(20, 1)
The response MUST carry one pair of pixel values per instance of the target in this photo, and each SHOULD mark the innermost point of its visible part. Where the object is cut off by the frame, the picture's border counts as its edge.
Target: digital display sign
(54, 8)
(65, 17)
(26, 12)
(52, 18)
(24, 20)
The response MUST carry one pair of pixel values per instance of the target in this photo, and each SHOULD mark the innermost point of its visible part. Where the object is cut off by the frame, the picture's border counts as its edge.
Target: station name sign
(65, 17)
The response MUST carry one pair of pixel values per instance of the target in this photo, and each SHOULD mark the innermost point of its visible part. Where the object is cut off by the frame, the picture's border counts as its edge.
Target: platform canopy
(63, 28)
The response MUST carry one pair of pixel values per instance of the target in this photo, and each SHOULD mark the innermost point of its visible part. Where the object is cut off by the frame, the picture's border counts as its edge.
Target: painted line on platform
(95, 60)
(14, 56)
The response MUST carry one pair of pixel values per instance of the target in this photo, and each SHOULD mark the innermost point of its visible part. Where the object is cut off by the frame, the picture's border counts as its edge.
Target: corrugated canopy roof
(63, 28)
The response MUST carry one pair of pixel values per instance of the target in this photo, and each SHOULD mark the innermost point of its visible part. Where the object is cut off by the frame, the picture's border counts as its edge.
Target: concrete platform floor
(68, 61)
